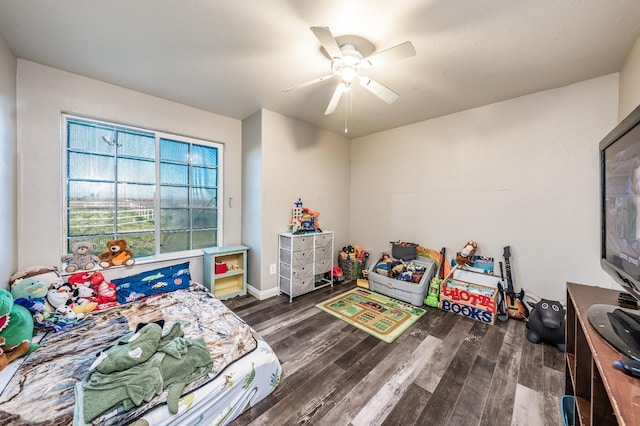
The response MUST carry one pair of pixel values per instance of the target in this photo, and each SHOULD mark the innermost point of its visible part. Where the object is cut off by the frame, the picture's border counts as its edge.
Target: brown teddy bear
(117, 254)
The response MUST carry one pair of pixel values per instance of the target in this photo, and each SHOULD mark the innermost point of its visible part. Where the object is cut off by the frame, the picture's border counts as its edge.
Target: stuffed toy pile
(53, 304)
(16, 330)
(92, 288)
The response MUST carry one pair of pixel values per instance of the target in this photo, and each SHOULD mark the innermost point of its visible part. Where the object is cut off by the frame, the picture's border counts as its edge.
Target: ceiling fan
(347, 63)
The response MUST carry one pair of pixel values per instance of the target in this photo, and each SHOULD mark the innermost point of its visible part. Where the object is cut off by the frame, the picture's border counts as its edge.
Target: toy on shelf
(221, 267)
(336, 275)
(81, 257)
(303, 219)
(117, 254)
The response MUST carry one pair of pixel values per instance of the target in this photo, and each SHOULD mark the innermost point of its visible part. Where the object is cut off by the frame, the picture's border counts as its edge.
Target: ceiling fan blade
(335, 99)
(324, 36)
(387, 95)
(403, 50)
(309, 83)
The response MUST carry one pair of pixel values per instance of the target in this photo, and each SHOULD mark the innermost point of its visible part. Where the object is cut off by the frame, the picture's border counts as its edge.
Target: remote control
(629, 366)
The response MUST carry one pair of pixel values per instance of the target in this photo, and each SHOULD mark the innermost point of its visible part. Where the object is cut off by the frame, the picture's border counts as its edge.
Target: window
(160, 192)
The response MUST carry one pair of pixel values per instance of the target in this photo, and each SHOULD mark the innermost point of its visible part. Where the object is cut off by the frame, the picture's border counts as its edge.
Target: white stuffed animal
(60, 299)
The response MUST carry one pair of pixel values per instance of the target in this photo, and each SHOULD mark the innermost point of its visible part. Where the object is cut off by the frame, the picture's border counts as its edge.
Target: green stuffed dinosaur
(16, 330)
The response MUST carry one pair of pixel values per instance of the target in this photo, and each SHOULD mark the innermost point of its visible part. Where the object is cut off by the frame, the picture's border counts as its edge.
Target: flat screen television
(620, 231)
(620, 203)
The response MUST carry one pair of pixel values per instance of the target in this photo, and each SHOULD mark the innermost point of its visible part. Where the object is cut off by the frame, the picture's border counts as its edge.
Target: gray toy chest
(406, 291)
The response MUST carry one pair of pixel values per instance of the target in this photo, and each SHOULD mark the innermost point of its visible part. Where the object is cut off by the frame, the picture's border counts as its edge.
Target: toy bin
(406, 291)
(471, 294)
(567, 407)
(351, 268)
(404, 251)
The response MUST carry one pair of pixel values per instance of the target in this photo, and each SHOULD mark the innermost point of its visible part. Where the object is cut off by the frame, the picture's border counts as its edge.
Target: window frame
(158, 135)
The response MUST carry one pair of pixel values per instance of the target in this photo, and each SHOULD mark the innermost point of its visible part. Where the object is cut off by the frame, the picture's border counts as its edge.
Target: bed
(45, 388)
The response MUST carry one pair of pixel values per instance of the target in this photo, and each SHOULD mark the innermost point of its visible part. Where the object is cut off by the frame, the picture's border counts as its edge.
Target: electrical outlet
(272, 268)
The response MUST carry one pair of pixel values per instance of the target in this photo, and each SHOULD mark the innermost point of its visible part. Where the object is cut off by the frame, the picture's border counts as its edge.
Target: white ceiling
(233, 57)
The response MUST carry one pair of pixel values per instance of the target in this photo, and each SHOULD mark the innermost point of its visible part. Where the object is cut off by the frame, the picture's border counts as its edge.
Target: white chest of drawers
(303, 261)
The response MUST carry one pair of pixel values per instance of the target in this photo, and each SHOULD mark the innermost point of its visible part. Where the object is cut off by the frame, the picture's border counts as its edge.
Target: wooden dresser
(604, 395)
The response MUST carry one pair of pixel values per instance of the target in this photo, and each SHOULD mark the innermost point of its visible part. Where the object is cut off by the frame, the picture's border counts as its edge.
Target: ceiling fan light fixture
(347, 61)
(348, 66)
(347, 73)
(350, 54)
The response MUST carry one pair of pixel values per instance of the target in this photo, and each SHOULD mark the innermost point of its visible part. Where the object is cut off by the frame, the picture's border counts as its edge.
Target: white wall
(630, 82)
(300, 161)
(43, 94)
(523, 172)
(252, 199)
(8, 249)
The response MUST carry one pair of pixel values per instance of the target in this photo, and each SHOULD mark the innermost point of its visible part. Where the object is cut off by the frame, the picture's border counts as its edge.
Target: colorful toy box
(471, 294)
(406, 291)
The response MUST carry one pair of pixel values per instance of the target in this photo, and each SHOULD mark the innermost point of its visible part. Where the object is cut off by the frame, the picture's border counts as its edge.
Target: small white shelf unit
(231, 283)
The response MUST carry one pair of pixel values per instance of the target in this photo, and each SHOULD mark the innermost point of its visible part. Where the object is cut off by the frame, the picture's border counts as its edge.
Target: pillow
(151, 283)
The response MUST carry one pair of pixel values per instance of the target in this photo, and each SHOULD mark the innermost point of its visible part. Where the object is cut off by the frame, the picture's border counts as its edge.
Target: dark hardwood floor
(444, 370)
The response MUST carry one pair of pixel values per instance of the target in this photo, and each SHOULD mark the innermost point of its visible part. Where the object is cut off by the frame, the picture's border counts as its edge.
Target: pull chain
(346, 122)
(347, 110)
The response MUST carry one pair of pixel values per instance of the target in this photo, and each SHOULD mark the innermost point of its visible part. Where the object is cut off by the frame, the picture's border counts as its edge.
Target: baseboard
(262, 294)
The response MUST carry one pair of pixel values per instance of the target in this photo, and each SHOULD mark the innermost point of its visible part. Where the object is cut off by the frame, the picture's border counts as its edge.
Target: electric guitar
(516, 308)
(502, 313)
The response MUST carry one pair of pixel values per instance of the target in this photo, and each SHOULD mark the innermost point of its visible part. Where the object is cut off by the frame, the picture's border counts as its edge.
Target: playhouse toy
(303, 219)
